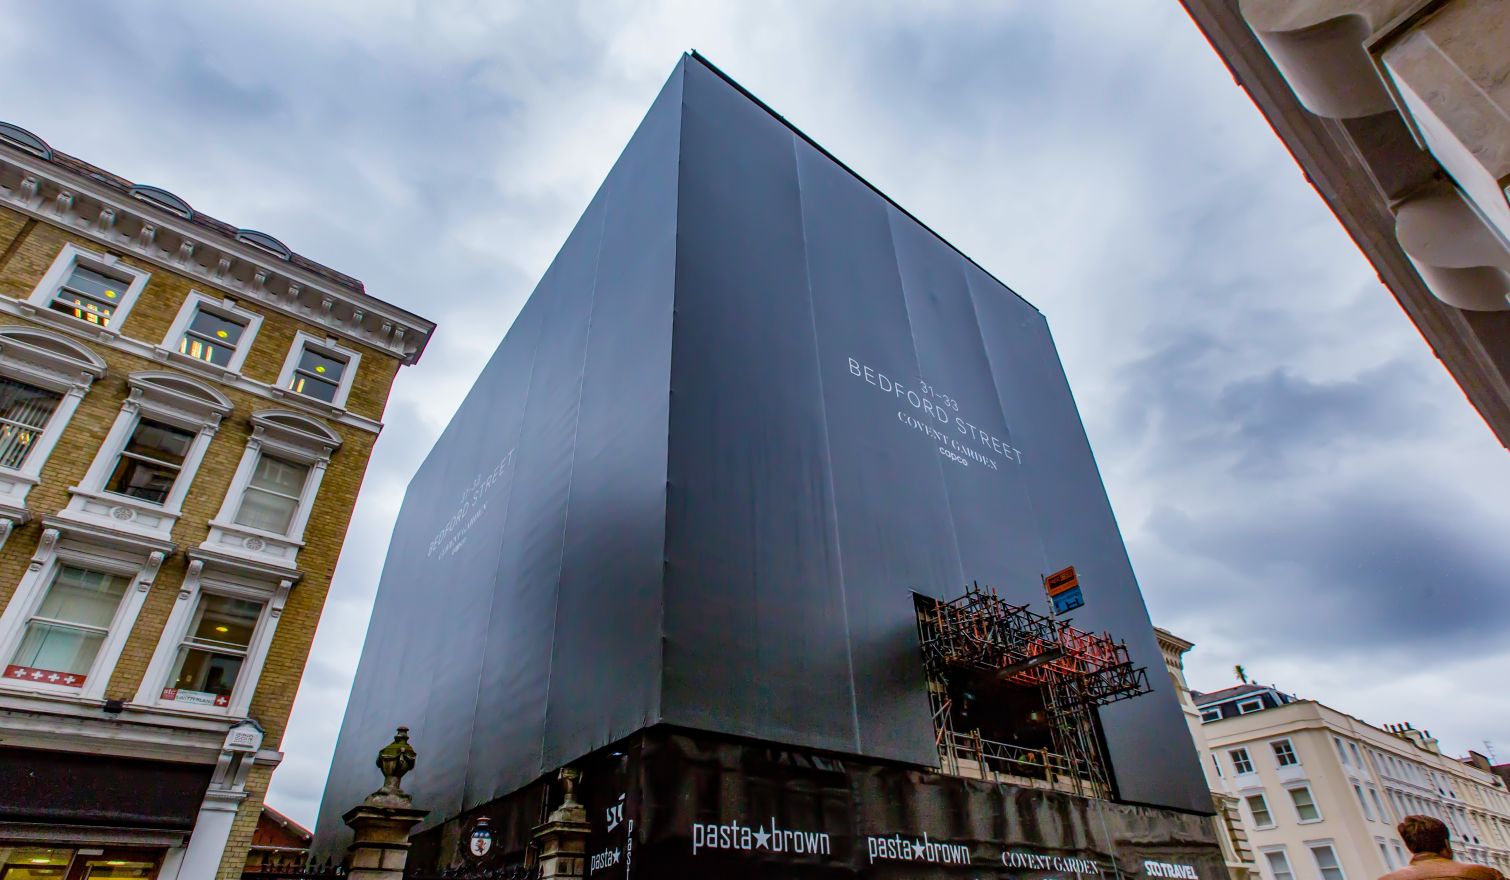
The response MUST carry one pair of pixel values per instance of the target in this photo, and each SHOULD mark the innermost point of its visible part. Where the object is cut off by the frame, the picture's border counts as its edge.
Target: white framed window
(62, 638)
(1368, 812)
(216, 639)
(319, 369)
(1278, 862)
(1284, 753)
(25, 411)
(1389, 863)
(216, 332)
(151, 462)
(214, 650)
(1357, 758)
(1399, 852)
(1304, 802)
(1373, 794)
(274, 488)
(1246, 706)
(273, 494)
(146, 464)
(87, 290)
(72, 611)
(1326, 861)
(1215, 762)
(1341, 752)
(1210, 714)
(1258, 808)
(1241, 762)
(43, 378)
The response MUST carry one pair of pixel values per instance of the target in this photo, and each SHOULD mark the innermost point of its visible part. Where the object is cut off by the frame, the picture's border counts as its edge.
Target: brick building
(186, 414)
(278, 844)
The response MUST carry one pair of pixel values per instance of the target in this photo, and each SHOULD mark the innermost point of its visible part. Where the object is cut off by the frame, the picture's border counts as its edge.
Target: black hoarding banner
(611, 795)
(751, 407)
(711, 808)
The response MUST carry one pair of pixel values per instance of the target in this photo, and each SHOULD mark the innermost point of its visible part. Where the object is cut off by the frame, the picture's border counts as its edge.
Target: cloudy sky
(1302, 487)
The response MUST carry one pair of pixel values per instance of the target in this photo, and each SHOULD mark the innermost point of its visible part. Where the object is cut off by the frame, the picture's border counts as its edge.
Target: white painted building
(1321, 792)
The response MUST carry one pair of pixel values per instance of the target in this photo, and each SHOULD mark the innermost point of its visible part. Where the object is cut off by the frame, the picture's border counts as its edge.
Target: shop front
(78, 863)
(73, 815)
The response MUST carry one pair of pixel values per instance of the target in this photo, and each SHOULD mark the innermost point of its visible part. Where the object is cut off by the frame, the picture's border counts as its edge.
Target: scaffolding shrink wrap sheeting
(749, 408)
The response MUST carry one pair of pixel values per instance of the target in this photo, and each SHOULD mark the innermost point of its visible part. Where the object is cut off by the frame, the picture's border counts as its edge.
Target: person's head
(1424, 834)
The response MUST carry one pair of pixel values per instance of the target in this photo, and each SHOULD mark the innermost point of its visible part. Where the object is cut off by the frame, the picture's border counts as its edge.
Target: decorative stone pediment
(49, 359)
(179, 397)
(291, 430)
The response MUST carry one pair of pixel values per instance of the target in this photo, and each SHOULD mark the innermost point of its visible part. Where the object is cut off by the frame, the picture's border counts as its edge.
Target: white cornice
(69, 724)
(65, 198)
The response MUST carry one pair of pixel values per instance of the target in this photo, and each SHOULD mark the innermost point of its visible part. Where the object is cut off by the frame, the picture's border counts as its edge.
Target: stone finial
(570, 810)
(395, 759)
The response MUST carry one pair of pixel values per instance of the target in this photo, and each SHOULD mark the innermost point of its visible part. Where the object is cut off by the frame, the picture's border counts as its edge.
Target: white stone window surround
(323, 344)
(195, 301)
(48, 361)
(286, 435)
(164, 397)
(1295, 806)
(40, 300)
(1273, 865)
(76, 548)
(220, 581)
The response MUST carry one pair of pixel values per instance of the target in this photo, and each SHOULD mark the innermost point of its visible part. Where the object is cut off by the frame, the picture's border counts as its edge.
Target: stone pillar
(562, 841)
(212, 827)
(380, 824)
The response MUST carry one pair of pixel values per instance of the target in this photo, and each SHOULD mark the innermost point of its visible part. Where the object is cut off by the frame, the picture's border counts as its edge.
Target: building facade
(186, 413)
(1398, 111)
(1321, 792)
(1232, 834)
(728, 525)
(278, 844)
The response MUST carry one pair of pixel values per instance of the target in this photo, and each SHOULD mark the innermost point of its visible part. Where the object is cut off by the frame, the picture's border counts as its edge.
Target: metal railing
(500, 872)
(995, 760)
(308, 871)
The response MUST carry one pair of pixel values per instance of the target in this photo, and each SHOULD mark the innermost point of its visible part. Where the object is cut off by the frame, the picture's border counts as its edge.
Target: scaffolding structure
(1074, 671)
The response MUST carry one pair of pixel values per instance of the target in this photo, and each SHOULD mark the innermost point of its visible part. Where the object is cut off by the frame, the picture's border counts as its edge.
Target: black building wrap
(751, 405)
(669, 803)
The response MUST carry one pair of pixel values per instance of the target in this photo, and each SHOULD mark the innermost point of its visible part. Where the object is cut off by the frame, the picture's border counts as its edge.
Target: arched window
(43, 377)
(269, 502)
(138, 480)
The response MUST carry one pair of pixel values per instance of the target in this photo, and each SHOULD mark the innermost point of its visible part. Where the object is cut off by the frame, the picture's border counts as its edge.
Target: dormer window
(90, 295)
(265, 242)
(163, 199)
(19, 137)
